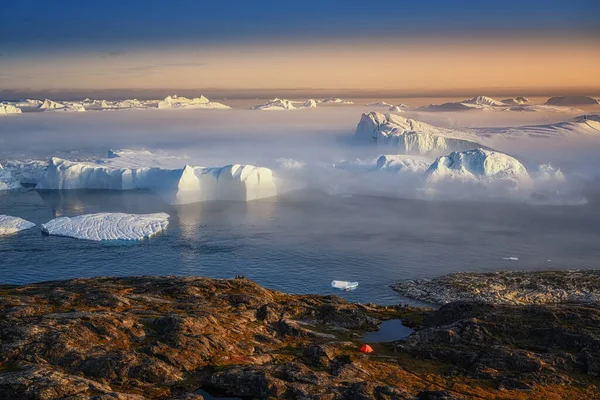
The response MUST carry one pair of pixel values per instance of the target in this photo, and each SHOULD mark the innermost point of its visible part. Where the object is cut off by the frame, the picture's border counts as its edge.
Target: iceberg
(7, 109)
(571, 101)
(402, 163)
(484, 101)
(379, 104)
(344, 285)
(588, 124)
(179, 185)
(10, 225)
(478, 164)
(334, 100)
(518, 100)
(7, 181)
(275, 104)
(310, 103)
(28, 172)
(409, 136)
(108, 226)
(176, 102)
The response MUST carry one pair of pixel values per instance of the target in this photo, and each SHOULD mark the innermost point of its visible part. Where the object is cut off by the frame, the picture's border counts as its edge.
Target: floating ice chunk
(108, 226)
(334, 100)
(27, 171)
(275, 104)
(516, 101)
(6, 109)
(476, 165)
(310, 103)
(511, 258)
(403, 163)
(344, 285)
(10, 225)
(379, 104)
(7, 181)
(176, 102)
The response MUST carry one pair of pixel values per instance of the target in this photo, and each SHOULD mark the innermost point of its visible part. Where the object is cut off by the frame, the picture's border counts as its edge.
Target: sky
(409, 46)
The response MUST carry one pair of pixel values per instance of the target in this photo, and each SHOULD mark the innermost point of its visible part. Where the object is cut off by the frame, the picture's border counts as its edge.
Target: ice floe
(10, 225)
(7, 181)
(108, 226)
(275, 104)
(7, 109)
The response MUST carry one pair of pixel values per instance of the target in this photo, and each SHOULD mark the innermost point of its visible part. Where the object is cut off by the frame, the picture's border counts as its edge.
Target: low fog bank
(313, 148)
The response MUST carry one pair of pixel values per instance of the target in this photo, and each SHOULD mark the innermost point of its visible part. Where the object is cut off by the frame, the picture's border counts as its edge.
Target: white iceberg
(518, 100)
(10, 225)
(7, 109)
(548, 173)
(177, 102)
(177, 185)
(402, 163)
(310, 103)
(27, 172)
(108, 226)
(7, 181)
(478, 164)
(379, 104)
(344, 285)
(588, 125)
(409, 136)
(275, 104)
(484, 101)
(51, 105)
(334, 100)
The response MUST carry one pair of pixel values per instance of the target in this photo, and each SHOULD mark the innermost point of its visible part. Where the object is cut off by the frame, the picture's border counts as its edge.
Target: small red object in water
(366, 348)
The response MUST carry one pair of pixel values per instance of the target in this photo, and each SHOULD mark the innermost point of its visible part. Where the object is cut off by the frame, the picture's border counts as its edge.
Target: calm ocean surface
(300, 242)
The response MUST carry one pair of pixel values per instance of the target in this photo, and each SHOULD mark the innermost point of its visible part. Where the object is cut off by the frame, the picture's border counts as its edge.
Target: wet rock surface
(506, 287)
(169, 337)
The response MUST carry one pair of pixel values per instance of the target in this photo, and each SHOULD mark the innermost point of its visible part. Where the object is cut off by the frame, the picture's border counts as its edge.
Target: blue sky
(71, 24)
(377, 44)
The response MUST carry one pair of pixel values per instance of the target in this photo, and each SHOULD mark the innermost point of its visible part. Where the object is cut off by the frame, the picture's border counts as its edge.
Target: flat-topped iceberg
(477, 164)
(571, 101)
(177, 185)
(409, 136)
(379, 104)
(334, 100)
(177, 102)
(108, 226)
(10, 225)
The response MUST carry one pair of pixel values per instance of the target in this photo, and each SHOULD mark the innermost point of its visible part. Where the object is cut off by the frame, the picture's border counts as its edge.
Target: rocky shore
(168, 337)
(507, 287)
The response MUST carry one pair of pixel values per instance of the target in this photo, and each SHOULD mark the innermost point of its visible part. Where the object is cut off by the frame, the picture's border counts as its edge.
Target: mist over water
(336, 220)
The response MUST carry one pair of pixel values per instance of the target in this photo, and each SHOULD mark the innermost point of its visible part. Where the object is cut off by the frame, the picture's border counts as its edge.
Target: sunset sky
(387, 45)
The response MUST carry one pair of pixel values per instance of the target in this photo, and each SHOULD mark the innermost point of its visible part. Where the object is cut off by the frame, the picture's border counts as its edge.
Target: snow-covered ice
(513, 101)
(108, 226)
(177, 102)
(379, 104)
(27, 172)
(275, 104)
(7, 109)
(10, 225)
(7, 181)
(478, 164)
(402, 163)
(409, 136)
(334, 100)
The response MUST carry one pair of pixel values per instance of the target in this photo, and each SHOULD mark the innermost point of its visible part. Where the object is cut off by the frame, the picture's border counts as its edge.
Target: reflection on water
(302, 241)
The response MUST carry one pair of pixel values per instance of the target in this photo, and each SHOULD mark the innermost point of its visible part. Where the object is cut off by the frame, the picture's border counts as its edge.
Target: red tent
(366, 348)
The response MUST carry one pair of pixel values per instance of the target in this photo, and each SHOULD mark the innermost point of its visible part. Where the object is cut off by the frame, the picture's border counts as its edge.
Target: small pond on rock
(389, 331)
